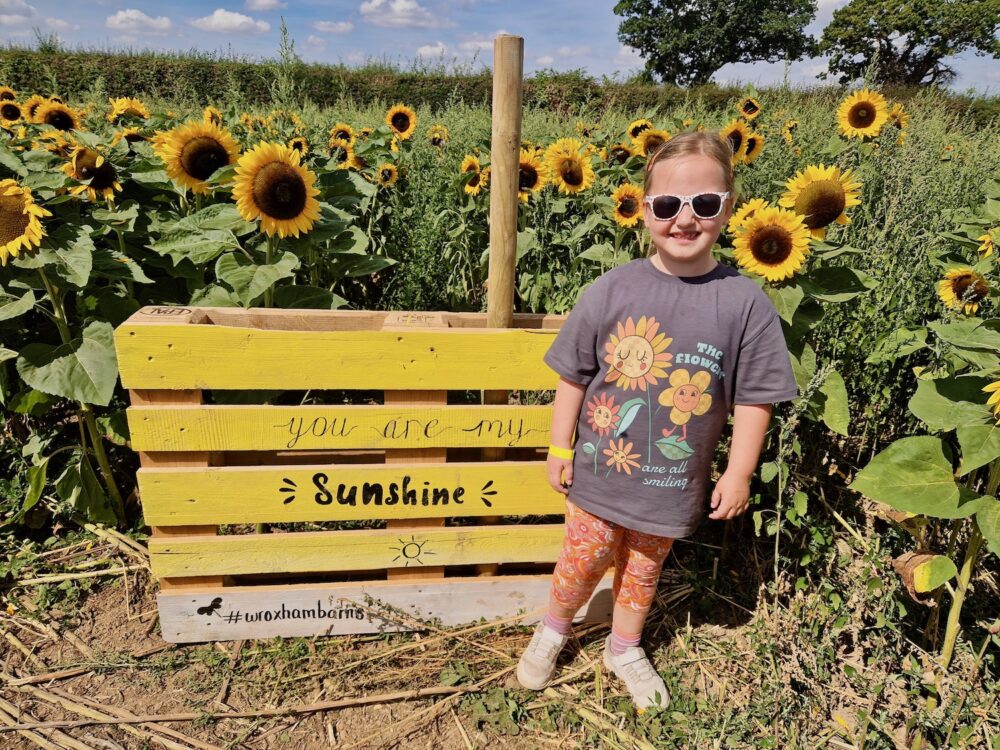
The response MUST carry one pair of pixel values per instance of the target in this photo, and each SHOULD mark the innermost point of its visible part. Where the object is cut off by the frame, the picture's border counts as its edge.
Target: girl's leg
(638, 562)
(588, 549)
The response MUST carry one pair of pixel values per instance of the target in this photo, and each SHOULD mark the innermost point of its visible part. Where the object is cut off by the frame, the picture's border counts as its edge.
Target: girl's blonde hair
(709, 144)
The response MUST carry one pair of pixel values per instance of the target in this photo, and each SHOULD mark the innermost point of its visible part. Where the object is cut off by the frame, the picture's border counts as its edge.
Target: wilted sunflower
(10, 112)
(7, 94)
(272, 186)
(627, 199)
(20, 220)
(744, 212)
(95, 173)
(470, 165)
(437, 136)
(737, 133)
(773, 243)
(994, 400)
(988, 244)
(755, 144)
(402, 120)
(619, 153)
(637, 126)
(193, 151)
(532, 174)
(300, 144)
(749, 108)
(127, 108)
(569, 169)
(900, 120)
(212, 115)
(343, 132)
(131, 135)
(820, 195)
(863, 113)
(31, 107)
(788, 130)
(963, 289)
(58, 115)
(387, 174)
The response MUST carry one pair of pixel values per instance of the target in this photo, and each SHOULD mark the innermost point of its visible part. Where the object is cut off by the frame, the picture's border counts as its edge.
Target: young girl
(653, 358)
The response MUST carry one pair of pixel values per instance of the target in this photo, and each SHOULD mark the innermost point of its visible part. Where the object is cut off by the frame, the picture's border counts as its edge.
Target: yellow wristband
(558, 452)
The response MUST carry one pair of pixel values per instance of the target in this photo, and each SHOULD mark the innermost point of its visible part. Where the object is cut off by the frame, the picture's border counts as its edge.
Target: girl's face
(687, 239)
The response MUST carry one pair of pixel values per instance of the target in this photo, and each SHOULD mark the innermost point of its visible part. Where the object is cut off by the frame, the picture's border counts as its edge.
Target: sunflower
(55, 142)
(130, 134)
(744, 212)
(342, 153)
(193, 151)
(627, 199)
(602, 414)
(247, 120)
(899, 119)
(402, 120)
(686, 396)
(387, 174)
(637, 354)
(637, 126)
(737, 133)
(862, 114)
(127, 108)
(212, 116)
(31, 106)
(788, 130)
(619, 153)
(343, 132)
(272, 186)
(484, 177)
(584, 129)
(988, 244)
(470, 164)
(10, 112)
(56, 99)
(96, 174)
(7, 94)
(364, 133)
(773, 243)
(821, 195)
(620, 456)
(649, 140)
(569, 169)
(20, 220)
(963, 289)
(994, 400)
(749, 108)
(686, 124)
(532, 174)
(300, 144)
(58, 115)
(437, 136)
(755, 144)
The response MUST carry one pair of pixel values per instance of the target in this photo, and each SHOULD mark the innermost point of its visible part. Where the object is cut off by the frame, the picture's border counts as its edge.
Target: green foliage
(912, 39)
(686, 43)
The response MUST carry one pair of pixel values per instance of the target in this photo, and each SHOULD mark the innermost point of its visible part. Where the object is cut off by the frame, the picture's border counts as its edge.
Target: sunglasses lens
(706, 205)
(666, 206)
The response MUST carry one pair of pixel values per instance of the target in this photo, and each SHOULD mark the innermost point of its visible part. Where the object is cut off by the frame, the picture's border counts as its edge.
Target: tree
(911, 36)
(684, 43)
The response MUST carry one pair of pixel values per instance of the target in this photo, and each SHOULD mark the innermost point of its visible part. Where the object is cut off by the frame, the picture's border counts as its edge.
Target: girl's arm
(731, 496)
(565, 413)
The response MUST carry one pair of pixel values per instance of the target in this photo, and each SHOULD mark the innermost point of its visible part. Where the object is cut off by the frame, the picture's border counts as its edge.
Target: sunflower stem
(272, 242)
(371, 217)
(121, 248)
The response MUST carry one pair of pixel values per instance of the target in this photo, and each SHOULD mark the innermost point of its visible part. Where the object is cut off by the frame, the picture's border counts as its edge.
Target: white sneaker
(643, 682)
(538, 662)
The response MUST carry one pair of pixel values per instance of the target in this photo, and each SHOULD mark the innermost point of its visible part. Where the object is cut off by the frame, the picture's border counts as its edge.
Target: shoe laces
(544, 647)
(641, 669)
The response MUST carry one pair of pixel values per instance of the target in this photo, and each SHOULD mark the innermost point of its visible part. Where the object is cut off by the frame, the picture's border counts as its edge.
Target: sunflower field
(871, 224)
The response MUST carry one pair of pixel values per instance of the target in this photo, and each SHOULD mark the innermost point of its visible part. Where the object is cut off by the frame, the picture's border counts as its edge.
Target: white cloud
(627, 57)
(400, 13)
(134, 20)
(61, 25)
(264, 5)
(227, 22)
(573, 51)
(432, 50)
(315, 41)
(16, 11)
(544, 60)
(479, 43)
(333, 27)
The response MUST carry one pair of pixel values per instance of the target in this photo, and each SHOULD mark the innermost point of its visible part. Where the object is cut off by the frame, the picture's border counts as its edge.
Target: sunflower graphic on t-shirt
(637, 354)
(686, 397)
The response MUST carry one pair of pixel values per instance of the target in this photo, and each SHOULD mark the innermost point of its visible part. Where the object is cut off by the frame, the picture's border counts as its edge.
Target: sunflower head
(20, 220)
(532, 174)
(127, 108)
(192, 152)
(637, 356)
(963, 289)
(627, 202)
(755, 144)
(96, 175)
(271, 185)
(300, 144)
(402, 120)
(341, 152)
(650, 140)
(471, 166)
(10, 112)
(772, 243)
(637, 126)
(620, 153)
(570, 167)
(820, 195)
(788, 130)
(212, 116)
(130, 135)
(387, 174)
(31, 107)
(736, 133)
(585, 129)
(744, 212)
(7, 94)
(749, 108)
(437, 136)
(58, 115)
(343, 132)
(862, 114)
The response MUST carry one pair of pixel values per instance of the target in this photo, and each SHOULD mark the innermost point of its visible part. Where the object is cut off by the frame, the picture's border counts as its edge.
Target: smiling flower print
(602, 414)
(686, 397)
(637, 355)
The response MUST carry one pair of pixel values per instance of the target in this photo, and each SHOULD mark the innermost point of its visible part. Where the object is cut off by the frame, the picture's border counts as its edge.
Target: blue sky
(560, 34)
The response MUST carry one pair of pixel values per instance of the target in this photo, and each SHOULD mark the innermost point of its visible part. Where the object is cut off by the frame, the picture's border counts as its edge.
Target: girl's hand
(731, 496)
(560, 470)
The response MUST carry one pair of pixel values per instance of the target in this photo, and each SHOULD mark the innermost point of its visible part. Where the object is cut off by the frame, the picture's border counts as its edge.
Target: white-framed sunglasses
(704, 205)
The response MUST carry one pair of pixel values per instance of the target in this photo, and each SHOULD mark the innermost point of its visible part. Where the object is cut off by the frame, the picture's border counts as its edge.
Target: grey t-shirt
(664, 359)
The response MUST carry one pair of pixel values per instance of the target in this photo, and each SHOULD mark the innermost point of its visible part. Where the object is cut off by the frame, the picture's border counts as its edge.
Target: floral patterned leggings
(591, 544)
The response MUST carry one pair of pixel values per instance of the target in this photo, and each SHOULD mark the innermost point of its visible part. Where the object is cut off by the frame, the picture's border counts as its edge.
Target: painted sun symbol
(637, 355)
(410, 551)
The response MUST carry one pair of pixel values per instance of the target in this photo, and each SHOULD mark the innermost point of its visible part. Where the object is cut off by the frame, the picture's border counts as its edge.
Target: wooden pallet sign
(384, 507)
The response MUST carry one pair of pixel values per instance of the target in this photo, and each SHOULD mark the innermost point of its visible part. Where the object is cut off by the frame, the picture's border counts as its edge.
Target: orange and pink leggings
(591, 544)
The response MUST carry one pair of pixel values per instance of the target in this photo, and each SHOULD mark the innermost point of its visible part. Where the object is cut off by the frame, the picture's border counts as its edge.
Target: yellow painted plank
(348, 492)
(300, 552)
(172, 356)
(214, 428)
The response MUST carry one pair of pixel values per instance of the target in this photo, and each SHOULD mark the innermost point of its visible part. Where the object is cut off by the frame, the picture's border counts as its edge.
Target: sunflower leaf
(836, 412)
(898, 343)
(197, 245)
(10, 161)
(836, 283)
(84, 370)
(980, 445)
(786, 299)
(12, 309)
(969, 333)
(988, 518)
(946, 403)
(308, 297)
(249, 280)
